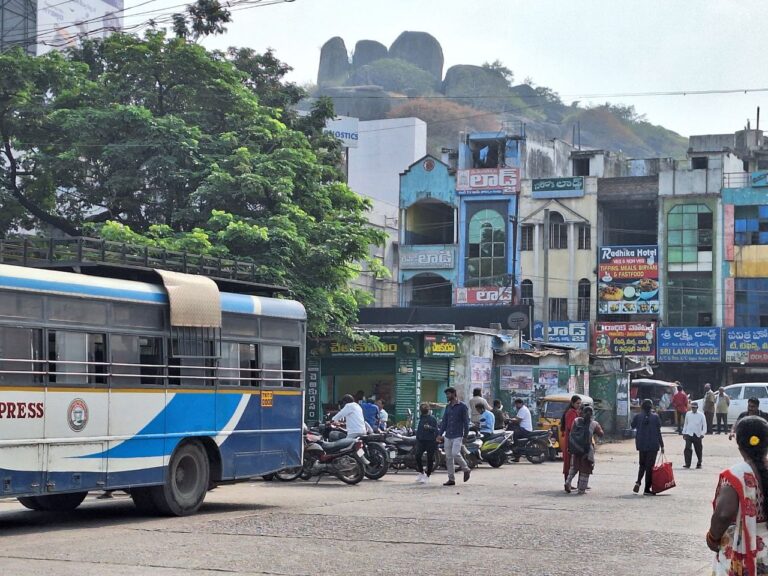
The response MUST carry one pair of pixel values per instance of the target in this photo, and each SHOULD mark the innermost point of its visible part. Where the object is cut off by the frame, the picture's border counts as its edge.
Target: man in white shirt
(694, 429)
(522, 423)
(477, 398)
(352, 414)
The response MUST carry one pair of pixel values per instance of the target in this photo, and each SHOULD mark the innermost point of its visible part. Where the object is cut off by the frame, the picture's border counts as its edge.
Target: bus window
(238, 364)
(137, 316)
(17, 345)
(192, 369)
(76, 357)
(279, 329)
(291, 367)
(136, 359)
(271, 365)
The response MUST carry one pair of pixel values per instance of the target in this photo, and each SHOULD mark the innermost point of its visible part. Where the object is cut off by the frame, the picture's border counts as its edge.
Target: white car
(739, 394)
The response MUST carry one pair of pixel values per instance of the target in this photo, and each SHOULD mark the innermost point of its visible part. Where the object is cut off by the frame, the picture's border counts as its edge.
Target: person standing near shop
(477, 398)
(680, 404)
(453, 428)
(722, 401)
(694, 429)
(709, 406)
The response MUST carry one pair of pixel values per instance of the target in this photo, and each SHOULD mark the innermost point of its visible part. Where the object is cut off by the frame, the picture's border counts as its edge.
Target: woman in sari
(584, 464)
(738, 532)
(566, 423)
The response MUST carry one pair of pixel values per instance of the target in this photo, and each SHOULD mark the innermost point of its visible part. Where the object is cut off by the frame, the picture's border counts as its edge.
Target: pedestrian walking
(694, 429)
(648, 442)
(680, 404)
(566, 423)
(477, 398)
(722, 401)
(709, 406)
(584, 429)
(737, 529)
(453, 428)
(426, 441)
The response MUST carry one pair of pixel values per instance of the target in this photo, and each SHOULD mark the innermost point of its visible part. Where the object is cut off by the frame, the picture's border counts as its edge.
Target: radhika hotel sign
(693, 344)
(484, 295)
(543, 188)
(574, 334)
(746, 345)
(442, 346)
(625, 339)
(483, 180)
(628, 280)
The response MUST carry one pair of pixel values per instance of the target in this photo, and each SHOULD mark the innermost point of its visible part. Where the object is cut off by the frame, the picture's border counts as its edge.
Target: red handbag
(663, 477)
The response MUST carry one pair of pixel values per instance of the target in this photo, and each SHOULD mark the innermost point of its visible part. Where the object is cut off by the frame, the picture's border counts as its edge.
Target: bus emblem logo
(77, 415)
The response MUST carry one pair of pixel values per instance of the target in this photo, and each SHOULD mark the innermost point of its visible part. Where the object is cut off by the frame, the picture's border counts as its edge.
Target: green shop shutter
(435, 369)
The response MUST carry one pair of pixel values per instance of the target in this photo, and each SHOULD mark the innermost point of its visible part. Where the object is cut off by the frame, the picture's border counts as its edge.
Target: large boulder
(334, 62)
(367, 51)
(363, 102)
(421, 49)
(476, 86)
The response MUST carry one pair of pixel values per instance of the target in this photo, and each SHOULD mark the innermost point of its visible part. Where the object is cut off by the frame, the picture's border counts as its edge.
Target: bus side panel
(189, 412)
(136, 428)
(75, 434)
(282, 425)
(22, 412)
(237, 414)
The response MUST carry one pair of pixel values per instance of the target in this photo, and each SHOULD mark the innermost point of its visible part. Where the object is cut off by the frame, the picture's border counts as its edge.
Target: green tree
(157, 140)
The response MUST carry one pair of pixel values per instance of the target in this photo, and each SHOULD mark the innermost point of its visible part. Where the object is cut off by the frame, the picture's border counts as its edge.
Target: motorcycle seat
(337, 445)
(496, 437)
(406, 440)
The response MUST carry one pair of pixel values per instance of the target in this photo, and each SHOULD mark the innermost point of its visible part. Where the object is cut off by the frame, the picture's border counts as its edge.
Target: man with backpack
(582, 449)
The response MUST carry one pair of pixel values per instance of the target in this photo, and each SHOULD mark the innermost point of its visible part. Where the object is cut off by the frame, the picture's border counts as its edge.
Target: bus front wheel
(54, 502)
(186, 482)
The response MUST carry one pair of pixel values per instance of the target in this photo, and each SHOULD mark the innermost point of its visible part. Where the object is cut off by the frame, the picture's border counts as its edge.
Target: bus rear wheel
(186, 482)
(54, 502)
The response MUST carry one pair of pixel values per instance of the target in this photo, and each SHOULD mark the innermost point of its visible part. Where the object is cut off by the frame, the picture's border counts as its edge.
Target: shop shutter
(435, 369)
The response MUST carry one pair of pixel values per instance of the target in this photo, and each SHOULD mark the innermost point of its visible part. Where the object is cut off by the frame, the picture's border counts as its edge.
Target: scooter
(495, 447)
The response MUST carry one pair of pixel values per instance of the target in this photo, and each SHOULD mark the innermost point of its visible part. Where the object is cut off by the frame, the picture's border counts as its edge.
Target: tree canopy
(160, 141)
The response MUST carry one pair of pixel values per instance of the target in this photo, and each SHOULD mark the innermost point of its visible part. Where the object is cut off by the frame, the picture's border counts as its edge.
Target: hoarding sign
(544, 188)
(625, 339)
(387, 346)
(758, 179)
(60, 24)
(688, 344)
(746, 345)
(484, 295)
(574, 334)
(345, 129)
(628, 280)
(481, 180)
(442, 346)
(426, 258)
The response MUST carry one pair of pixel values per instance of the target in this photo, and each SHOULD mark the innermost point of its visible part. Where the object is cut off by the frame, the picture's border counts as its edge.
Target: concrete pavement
(514, 520)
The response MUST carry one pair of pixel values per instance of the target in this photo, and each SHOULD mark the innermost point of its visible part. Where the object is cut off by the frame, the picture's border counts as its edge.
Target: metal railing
(736, 180)
(35, 251)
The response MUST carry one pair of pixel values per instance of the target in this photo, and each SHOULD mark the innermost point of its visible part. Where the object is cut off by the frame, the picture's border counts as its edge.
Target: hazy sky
(577, 48)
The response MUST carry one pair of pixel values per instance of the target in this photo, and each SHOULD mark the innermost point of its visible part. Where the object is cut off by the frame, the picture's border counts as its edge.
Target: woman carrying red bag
(648, 442)
(738, 532)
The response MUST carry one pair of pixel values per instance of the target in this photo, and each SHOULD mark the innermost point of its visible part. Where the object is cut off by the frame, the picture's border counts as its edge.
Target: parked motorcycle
(470, 451)
(535, 447)
(375, 453)
(495, 447)
(341, 458)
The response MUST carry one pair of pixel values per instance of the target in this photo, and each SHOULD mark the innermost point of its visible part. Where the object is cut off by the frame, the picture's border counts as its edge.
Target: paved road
(515, 520)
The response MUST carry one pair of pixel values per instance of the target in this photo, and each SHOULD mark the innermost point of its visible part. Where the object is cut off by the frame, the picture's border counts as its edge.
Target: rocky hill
(407, 79)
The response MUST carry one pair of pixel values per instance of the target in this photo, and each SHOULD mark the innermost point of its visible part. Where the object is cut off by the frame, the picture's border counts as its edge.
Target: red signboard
(484, 295)
(625, 339)
(478, 180)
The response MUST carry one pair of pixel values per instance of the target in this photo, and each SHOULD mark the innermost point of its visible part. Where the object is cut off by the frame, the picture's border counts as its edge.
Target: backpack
(580, 438)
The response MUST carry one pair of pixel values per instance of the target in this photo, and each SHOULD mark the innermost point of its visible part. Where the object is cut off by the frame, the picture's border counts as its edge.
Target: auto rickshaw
(642, 388)
(551, 411)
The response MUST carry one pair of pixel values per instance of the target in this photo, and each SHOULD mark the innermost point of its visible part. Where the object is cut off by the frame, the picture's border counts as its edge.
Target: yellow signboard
(267, 397)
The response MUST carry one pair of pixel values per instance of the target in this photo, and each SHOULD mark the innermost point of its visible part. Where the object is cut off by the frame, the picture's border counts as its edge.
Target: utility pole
(545, 305)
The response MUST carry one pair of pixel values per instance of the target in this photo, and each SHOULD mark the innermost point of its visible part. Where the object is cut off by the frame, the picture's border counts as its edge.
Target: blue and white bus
(163, 390)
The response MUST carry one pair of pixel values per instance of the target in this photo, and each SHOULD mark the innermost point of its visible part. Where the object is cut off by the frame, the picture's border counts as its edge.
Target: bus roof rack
(110, 259)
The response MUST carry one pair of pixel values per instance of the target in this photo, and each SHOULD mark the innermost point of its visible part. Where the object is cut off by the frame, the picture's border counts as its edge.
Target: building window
(558, 309)
(558, 232)
(750, 225)
(699, 163)
(486, 249)
(751, 301)
(526, 293)
(585, 236)
(689, 237)
(526, 237)
(585, 291)
(581, 166)
(689, 300)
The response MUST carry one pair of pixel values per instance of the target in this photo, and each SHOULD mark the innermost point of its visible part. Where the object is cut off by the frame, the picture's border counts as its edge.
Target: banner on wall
(544, 188)
(442, 346)
(549, 379)
(688, 344)
(516, 378)
(625, 339)
(485, 180)
(628, 280)
(574, 334)
(746, 345)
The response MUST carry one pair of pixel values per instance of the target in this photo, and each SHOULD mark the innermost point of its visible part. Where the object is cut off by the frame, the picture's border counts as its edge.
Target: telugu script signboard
(628, 280)
(484, 295)
(625, 339)
(482, 180)
(386, 346)
(574, 334)
(426, 259)
(688, 344)
(442, 346)
(746, 345)
(544, 188)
